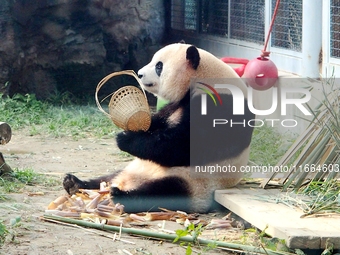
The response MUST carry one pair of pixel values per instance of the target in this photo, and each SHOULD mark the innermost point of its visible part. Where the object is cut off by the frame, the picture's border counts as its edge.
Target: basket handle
(108, 77)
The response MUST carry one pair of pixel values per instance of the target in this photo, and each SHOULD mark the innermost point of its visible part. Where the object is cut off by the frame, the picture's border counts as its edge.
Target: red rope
(264, 52)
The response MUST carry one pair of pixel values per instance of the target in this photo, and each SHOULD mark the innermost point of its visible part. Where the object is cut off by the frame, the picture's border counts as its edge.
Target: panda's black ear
(182, 41)
(193, 57)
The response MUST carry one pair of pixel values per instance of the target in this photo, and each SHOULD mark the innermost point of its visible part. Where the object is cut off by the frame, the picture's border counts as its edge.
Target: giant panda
(160, 176)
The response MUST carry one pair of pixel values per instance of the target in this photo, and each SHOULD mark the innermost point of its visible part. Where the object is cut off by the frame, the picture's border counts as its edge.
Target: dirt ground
(84, 158)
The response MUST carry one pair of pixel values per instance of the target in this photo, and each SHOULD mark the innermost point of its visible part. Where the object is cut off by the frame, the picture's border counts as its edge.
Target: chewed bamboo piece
(98, 206)
(128, 106)
(95, 202)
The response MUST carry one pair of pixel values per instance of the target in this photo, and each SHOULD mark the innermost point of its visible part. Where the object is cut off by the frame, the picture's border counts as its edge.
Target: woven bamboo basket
(128, 106)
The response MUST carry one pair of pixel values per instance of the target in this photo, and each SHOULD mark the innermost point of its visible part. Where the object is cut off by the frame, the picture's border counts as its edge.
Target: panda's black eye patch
(159, 68)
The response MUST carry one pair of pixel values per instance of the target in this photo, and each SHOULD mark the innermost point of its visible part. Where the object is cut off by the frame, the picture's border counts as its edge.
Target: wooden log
(4, 168)
(5, 137)
(5, 133)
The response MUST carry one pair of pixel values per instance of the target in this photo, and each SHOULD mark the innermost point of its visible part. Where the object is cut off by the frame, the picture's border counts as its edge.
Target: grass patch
(324, 197)
(18, 179)
(61, 116)
(8, 233)
(268, 146)
(318, 198)
(56, 119)
(3, 233)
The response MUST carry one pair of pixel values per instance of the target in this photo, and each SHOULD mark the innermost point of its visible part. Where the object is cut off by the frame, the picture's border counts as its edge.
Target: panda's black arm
(159, 120)
(164, 143)
(165, 148)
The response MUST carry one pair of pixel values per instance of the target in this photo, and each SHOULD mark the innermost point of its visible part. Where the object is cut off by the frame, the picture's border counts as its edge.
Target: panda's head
(170, 70)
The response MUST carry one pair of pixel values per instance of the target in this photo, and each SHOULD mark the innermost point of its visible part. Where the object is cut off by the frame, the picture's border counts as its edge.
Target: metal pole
(311, 37)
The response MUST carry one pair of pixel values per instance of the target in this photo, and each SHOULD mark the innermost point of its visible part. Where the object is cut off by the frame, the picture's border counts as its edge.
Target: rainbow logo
(206, 90)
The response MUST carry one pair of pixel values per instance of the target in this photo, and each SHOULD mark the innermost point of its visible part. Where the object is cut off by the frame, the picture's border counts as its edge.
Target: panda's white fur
(168, 76)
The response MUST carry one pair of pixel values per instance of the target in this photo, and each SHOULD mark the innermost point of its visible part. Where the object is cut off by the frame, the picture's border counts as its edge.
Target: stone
(67, 45)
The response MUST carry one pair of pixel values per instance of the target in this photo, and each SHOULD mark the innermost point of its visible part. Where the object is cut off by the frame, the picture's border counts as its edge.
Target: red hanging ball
(261, 73)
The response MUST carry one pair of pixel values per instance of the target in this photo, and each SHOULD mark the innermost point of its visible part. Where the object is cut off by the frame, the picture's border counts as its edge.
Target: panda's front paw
(72, 184)
(116, 192)
(124, 140)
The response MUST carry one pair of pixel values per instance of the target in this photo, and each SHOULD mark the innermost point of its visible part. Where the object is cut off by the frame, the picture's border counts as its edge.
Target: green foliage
(26, 176)
(15, 222)
(195, 232)
(322, 197)
(256, 238)
(329, 248)
(65, 98)
(8, 185)
(17, 180)
(3, 233)
(3, 197)
(21, 110)
(10, 230)
(27, 114)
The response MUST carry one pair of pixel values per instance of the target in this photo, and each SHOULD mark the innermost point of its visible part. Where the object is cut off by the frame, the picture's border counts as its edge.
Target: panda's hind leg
(72, 184)
(170, 192)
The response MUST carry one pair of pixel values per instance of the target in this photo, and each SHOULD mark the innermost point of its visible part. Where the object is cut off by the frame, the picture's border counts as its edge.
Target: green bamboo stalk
(299, 143)
(333, 174)
(301, 159)
(164, 236)
(313, 156)
(326, 159)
